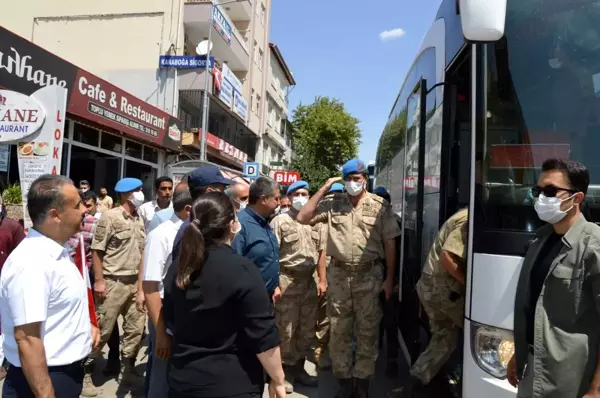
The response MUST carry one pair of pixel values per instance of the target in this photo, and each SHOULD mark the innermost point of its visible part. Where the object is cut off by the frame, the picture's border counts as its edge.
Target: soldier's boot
(288, 381)
(361, 388)
(112, 367)
(128, 374)
(88, 389)
(301, 376)
(412, 388)
(346, 389)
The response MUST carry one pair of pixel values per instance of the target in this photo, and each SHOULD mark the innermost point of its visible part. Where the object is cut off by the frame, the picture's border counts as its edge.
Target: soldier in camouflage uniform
(296, 311)
(441, 291)
(361, 232)
(321, 354)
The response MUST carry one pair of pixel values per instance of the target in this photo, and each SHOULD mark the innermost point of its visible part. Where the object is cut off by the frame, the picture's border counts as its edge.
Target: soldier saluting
(361, 232)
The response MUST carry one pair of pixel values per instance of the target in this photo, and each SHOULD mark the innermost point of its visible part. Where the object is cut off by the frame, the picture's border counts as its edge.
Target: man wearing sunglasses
(557, 305)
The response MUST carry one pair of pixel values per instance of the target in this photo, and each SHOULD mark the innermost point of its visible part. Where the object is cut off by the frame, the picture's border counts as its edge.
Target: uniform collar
(46, 244)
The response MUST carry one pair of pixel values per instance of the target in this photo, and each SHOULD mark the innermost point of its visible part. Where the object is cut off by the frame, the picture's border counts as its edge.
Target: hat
(128, 185)
(380, 191)
(353, 166)
(337, 187)
(297, 185)
(207, 175)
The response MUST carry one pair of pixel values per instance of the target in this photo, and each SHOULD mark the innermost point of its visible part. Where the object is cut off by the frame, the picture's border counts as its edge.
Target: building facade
(122, 42)
(276, 143)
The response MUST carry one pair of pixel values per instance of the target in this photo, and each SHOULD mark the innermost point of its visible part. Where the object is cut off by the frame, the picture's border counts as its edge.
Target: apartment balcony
(278, 97)
(232, 48)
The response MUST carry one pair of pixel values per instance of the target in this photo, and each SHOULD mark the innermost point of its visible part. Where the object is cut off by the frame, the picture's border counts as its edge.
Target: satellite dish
(204, 47)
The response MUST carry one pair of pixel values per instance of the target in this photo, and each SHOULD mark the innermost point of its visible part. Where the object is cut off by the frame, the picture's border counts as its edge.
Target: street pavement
(108, 387)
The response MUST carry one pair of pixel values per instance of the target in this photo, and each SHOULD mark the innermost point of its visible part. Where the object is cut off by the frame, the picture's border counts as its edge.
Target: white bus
(471, 126)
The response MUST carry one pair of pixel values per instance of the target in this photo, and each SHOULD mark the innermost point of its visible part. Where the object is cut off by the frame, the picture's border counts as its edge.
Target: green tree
(325, 136)
(392, 139)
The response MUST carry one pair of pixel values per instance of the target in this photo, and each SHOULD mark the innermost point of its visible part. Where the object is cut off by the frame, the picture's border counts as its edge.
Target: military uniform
(322, 330)
(443, 298)
(355, 237)
(296, 311)
(121, 237)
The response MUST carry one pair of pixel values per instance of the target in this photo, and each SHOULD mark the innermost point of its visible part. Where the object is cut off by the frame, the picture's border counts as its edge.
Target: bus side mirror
(483, 20)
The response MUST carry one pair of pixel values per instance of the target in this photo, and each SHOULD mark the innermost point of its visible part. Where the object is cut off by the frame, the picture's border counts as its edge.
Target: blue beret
(128, 185)
(297, 185)
(353, 166)
(337, 187)
(380, 191)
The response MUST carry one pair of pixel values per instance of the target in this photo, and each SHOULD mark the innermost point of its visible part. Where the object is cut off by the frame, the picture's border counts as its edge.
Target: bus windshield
(543, 93)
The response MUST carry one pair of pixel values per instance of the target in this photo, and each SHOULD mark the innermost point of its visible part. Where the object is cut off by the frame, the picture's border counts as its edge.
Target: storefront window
(150, 154)
(100, 169)
(86, 135)
(111, 142)
(145, 173)
(133, 149)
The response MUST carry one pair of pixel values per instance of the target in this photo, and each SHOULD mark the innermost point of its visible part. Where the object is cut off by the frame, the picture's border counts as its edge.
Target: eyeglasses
(549, 191)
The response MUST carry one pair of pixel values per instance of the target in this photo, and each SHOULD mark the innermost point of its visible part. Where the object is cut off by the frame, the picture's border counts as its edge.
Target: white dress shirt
(158, 250)
(40, 283)
(147, 211)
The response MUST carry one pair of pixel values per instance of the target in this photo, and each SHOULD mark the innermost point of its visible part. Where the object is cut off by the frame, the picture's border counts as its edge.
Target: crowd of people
(239, 285)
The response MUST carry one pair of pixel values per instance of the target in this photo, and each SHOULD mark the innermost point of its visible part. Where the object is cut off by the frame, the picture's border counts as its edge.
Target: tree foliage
(325, 136)
(392, 139)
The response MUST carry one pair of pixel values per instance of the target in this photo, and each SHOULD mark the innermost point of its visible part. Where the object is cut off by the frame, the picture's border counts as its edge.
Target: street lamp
(203, 49)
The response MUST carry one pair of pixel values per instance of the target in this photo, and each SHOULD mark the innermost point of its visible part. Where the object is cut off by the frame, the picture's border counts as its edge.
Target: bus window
(541, 103)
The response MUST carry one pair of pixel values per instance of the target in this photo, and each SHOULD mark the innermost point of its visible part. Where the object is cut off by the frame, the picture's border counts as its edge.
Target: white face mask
(137, 199)
(354, 188)
(548, 209)
(299, 202)
(243, 205)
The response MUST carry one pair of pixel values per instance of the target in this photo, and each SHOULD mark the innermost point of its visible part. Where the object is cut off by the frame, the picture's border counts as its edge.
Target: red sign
(225, 148)
(286, 177)
(97, 100)
(526, 156)
(429, 182)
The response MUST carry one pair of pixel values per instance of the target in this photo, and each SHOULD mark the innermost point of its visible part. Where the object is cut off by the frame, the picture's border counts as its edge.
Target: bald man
(239, 193)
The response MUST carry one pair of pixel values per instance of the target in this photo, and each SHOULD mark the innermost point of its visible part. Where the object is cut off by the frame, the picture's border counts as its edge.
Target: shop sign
(184, 61)
(226, 93)
(240, 106)
(25, 68)
(232, 79)
(212, 141)
(232, 151)
(221, 24)
(100, 101)
(286, 177)
(41, 153)
(20, 116)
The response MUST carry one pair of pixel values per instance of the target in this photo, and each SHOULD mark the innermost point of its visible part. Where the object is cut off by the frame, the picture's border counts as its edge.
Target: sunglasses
(549, 191)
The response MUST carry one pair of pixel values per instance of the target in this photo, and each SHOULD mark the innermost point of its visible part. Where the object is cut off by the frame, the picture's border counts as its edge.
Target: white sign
(20, 116)
(41, 153)
(226, 93)
(232, 79)
(251, 169)
(240, 106)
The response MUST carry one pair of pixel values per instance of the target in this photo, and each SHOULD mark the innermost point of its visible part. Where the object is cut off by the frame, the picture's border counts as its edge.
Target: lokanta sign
(41, 153)
(20, 116)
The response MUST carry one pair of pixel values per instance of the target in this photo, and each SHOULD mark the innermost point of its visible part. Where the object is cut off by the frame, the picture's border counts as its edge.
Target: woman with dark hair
(224, 326)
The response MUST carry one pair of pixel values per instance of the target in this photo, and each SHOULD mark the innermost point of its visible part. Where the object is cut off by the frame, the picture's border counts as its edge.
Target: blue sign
(240, 106)
(251, 169)
(226, 93)
(184, 61)
(221, 24)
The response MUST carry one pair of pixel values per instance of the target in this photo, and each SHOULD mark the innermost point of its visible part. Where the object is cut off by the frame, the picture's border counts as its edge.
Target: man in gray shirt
(557, 305)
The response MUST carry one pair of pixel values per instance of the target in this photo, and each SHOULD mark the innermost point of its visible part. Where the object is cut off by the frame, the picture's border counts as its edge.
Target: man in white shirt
(157, 259)
(44, 298)
(164, 190)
